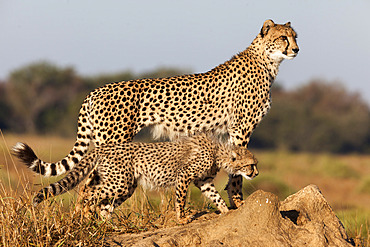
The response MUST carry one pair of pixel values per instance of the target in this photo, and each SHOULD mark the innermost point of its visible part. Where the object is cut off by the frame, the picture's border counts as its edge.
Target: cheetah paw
(185, 220)
(238, 203)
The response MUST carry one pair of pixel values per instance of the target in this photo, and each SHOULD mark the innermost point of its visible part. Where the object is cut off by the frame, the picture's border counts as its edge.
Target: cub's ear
(266, 27)
(287, 24)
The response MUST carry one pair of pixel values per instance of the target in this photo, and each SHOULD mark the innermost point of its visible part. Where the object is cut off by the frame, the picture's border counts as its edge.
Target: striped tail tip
(25, 153)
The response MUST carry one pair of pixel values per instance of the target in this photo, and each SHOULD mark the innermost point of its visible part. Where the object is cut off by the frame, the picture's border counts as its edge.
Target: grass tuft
(357, 223)
(51, 224)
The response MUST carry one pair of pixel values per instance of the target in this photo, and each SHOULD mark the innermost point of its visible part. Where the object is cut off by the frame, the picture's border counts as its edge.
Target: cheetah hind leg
(92, 202)
(208, 189)
(107, 206)
(87, 202)
(234, 191)
(87, 199)
(82, 205)
(95, 205)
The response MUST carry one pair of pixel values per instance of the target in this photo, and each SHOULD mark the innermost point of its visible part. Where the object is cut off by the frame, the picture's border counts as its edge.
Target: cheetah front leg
(234, 191)
(208, 189)
(235, 183)
(182, 185)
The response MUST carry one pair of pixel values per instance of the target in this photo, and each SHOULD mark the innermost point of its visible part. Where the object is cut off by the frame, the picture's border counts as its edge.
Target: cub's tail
(29, 158)
(73, 178)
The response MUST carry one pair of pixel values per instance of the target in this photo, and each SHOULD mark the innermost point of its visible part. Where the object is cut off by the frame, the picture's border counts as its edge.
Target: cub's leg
(234, 191)
(99, 195)
(84, 201)
(182, 184)
(208, 189)
(107, 207)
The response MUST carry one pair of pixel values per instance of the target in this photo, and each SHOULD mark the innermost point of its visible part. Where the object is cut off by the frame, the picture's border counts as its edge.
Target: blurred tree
(341, 119)
(4, 107)
(37, 91)
(319, 116)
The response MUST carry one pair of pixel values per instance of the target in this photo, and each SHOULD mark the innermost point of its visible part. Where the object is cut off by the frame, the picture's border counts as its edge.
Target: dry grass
(357, 224)
(50, 224)
(54, 222)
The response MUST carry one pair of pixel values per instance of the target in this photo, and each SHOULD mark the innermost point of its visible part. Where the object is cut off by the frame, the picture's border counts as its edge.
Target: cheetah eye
(284, 38)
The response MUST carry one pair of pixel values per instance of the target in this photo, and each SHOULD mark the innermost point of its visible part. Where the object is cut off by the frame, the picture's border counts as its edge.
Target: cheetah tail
(25, 153)
(73, 178)
(28, 157)
(80, 148)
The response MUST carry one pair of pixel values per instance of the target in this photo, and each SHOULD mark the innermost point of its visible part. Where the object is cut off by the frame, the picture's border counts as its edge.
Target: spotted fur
(232, 98)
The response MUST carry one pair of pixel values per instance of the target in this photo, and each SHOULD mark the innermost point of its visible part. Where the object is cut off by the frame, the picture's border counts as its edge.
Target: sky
(111, 36)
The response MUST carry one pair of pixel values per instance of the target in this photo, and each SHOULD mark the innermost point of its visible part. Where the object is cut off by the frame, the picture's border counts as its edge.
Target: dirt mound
(302, 219)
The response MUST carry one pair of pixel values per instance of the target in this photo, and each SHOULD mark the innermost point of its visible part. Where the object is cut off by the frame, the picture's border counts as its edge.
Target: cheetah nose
(296, 50)
(256, 172)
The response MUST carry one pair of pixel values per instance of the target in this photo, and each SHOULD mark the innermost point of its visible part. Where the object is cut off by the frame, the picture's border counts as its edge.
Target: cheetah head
(279, 41)
(242, 162)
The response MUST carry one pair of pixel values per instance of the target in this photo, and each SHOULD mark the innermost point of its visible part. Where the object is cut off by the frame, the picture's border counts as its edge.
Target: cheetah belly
(218, 126)
(154, 182)
(161, 176)
(160, 130)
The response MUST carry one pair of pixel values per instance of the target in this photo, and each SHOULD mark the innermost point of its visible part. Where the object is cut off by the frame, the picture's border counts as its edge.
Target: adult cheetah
(232, 98)
(115, 170)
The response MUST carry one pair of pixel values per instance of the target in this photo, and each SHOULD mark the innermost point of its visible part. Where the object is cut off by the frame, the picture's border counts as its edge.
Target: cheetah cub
(114, 171)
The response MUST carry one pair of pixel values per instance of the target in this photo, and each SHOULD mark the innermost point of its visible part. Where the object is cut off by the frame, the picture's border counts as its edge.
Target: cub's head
(279, 40)
(242, 162)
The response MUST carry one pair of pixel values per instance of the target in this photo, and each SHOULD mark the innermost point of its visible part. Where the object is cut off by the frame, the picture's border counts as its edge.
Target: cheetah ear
(266, 27)
(287, 24)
